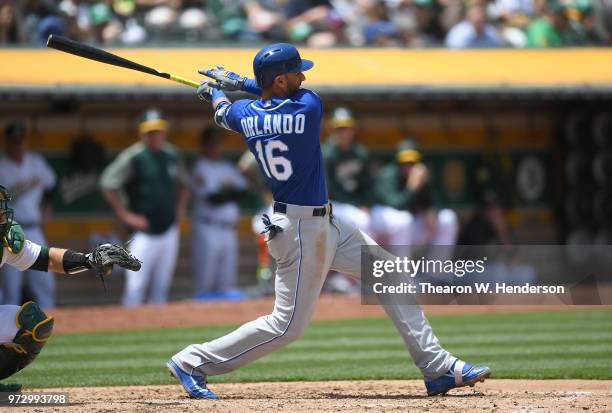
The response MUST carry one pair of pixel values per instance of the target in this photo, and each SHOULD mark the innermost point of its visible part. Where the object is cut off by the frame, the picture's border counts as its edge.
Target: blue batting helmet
(277, 59)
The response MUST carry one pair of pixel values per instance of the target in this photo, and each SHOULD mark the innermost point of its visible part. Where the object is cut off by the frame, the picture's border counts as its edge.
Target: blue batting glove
(226, 80)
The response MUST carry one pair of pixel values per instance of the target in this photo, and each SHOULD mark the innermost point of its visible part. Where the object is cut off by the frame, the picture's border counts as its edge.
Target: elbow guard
(221, 115)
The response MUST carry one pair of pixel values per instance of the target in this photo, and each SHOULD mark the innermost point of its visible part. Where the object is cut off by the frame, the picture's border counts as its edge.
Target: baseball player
(281, 128)
(31, 181)
(348, 175)
(151, 176)
(25, 329)
(406, 213)
(216, 187)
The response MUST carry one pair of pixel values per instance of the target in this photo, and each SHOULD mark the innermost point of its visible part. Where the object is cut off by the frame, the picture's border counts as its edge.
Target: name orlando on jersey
(269, 124)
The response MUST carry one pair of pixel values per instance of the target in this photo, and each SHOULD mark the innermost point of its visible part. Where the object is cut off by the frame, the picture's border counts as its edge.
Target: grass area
(568, 344)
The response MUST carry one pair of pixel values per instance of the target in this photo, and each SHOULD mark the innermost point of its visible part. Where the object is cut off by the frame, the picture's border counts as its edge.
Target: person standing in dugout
(282, 129)
(216, 187)
(25, 329)
(147, 188)
(347, 164)
(31, 182)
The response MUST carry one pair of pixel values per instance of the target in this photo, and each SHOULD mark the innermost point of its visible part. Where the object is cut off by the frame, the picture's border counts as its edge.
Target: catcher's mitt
(104, 256)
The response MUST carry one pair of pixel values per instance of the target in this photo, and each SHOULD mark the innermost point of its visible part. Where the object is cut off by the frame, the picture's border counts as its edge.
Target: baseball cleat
(460, 374)
(195, 386)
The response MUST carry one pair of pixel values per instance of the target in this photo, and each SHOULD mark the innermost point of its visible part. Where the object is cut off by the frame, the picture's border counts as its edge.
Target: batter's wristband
(217, 94)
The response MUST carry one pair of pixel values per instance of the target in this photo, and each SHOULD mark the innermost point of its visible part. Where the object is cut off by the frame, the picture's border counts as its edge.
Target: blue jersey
(283, 134)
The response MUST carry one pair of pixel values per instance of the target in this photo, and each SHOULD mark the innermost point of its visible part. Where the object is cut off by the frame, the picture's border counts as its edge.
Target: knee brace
(34, 330)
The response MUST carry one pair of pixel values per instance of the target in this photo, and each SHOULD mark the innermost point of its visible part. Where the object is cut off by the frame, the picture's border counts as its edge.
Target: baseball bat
(89, 52)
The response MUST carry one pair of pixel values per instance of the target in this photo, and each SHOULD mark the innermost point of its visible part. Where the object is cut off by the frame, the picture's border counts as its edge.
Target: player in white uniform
(282, 129)
(24, 329)
(216, 185)
(30, 179)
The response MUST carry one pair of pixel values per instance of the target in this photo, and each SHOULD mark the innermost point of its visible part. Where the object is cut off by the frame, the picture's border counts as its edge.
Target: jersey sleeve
(310, 99)
(25, 258)
(117, 173)
(228, 116)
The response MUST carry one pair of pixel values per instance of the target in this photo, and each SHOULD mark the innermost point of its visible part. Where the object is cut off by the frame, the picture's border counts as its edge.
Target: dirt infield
(348, 396)
(353, 396)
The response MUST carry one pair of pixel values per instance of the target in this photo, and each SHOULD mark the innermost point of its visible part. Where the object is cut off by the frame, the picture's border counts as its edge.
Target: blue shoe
(195, 386)
(460, 374)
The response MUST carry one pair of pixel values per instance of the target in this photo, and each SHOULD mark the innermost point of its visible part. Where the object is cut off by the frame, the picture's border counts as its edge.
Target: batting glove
(205, 90)
(226, 80)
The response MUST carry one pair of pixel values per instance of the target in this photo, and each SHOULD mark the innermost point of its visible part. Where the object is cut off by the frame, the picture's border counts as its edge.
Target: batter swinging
(281, 129)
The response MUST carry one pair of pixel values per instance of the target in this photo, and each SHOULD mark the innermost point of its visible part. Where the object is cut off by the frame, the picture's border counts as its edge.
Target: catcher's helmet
(277, 59)
(6, 213)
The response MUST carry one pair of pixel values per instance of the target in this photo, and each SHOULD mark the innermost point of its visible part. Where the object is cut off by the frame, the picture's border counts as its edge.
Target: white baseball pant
(158, 254)
(305, 251)
(214, 257)
(399, 227)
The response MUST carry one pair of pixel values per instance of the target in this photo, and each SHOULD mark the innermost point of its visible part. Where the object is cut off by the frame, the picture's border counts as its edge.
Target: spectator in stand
(582, 24)
(10, 25)
(378, 29)
(474, 32)
(105, 26)
(231, 16)
(264, 19)
(312, 22)
(451, 13)
(426, 13)
(193, 18)
(318, 23)
(549, 29)
(159, 14)
(513, 17)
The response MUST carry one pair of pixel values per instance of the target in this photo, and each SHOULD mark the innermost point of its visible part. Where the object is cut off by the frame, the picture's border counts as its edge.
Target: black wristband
(42, 261)
(75, 262)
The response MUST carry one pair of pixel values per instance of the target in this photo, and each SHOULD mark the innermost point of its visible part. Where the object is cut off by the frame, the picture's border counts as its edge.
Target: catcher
(25, 329)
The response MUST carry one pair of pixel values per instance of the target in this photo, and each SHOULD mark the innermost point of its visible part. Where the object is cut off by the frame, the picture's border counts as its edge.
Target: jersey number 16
(273, 165)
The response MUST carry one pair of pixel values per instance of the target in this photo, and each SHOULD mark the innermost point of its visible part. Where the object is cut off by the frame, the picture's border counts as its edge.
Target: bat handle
(184, 81)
